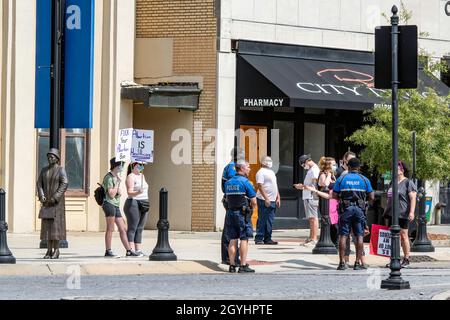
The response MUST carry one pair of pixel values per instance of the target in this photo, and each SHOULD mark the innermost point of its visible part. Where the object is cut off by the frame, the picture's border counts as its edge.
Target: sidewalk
(197, 252)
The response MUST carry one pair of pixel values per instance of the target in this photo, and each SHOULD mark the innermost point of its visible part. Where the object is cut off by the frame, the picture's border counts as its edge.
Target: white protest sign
(142, 146)
(123, 149)
(384, 243)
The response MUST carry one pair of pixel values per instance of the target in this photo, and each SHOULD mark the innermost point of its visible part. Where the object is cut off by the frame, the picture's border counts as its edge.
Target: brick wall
(192, 25)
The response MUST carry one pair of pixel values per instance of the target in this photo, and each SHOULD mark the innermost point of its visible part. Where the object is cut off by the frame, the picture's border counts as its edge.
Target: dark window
(74, 149)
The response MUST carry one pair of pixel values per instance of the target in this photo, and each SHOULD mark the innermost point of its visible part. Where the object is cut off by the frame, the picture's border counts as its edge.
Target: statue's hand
(51, 202)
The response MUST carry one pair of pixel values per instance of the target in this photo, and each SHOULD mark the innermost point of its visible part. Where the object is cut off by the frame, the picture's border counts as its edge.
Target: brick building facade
(191, 24)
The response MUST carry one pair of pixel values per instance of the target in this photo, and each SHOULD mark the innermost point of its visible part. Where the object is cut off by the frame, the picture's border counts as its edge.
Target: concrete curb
(89, 269)
(442, 296)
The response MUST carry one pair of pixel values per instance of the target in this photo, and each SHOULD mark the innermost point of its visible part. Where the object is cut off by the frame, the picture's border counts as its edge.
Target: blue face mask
(140, 167)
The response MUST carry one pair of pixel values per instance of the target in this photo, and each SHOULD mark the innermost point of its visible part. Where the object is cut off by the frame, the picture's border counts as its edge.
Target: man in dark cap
(51, 186)
(310, 201)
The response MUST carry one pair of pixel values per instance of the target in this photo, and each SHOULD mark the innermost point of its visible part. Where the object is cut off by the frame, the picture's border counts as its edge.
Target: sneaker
(232, 269)
(109, 253)
(140, 253)
(131, 253)
(311, 243)
(259, 242)
(271, 242)
(359, 266)
(245, 269)
(342, 266)
(405, 263)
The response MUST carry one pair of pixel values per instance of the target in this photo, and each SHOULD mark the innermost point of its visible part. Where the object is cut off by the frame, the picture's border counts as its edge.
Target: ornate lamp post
(163, 251)
(325, 245)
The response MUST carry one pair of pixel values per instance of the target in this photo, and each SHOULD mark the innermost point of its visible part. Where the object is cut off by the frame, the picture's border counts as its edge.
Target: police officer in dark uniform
(241, 198)
(352, 191)
(229, 172)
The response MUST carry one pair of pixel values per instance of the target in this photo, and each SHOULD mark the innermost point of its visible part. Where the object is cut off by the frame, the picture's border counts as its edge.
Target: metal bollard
(6, 256)
(163, 251)
(325, 245)
(422, 243)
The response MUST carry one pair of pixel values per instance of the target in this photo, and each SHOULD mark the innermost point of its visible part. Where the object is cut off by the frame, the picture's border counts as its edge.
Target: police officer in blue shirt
(238, 226)
(352, 191)
(229, 172)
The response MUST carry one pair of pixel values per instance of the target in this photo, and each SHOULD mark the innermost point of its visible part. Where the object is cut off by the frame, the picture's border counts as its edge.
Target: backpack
(99, 194)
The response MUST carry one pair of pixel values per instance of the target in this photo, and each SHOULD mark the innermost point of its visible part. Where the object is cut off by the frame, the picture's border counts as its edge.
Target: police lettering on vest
(237, 190)
(352, 187)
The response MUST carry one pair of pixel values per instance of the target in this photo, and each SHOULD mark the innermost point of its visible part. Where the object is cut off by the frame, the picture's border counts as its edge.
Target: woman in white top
(136, 207)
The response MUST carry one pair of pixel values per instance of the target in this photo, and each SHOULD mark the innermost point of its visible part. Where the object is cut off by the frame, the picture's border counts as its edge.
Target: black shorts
(402, 222)
(111, 210)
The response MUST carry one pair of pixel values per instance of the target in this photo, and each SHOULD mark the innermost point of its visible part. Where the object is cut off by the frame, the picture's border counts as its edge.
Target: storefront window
(74, 144)
(285, 174)
(314, 140)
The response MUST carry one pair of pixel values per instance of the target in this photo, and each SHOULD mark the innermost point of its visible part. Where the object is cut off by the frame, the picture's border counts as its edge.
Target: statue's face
(52, 159)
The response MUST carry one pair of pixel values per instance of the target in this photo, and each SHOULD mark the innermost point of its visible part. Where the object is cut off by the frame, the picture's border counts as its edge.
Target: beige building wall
(163, 173)
(114, 61)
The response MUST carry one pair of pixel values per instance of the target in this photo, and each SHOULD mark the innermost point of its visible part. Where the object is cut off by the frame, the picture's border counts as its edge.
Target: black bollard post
(6, 256)
(422, 243)
(325, 245)
(163, 251)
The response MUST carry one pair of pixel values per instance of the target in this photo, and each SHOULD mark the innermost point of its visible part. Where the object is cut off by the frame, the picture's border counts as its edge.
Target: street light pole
(395, 280)
(56, 100)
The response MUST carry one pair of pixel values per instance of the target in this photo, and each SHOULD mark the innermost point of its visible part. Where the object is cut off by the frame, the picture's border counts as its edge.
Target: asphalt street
(306, 285)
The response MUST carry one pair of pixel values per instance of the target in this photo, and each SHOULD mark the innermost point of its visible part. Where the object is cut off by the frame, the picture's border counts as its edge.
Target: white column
(18, 94)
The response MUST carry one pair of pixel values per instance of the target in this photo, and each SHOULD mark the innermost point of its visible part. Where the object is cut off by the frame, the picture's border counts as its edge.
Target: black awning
(266, 81)
(167, 95)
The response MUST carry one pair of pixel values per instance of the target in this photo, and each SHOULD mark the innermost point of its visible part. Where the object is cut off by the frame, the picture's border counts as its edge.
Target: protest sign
(142, 146)
(380, 241)
(123, 149)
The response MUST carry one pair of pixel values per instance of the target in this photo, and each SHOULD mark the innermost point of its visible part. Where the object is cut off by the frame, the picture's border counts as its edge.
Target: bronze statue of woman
(51, 186)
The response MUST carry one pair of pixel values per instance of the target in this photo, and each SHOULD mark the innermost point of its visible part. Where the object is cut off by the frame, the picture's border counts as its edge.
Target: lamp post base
(325, 249)
(7, 259)
(395, 284)
(163, 256)
(422, 247)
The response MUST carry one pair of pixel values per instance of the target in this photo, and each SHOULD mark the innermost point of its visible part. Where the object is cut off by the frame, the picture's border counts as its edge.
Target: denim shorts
(236, 227)
(111, 210)
(354, 219)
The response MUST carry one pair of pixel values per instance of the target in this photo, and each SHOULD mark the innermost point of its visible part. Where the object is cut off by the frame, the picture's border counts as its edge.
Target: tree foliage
(429, 115)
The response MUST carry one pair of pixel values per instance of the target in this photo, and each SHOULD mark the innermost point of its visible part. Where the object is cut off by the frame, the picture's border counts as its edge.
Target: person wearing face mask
(328, 167)
(268, 199)
(310, 201)
(137, 206)
(343, 168)
(407, 193)
(111, 185)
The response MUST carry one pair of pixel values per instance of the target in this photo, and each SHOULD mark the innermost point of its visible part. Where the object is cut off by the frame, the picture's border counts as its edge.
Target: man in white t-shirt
(268, 200)
(310, 201)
